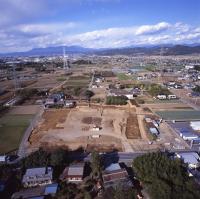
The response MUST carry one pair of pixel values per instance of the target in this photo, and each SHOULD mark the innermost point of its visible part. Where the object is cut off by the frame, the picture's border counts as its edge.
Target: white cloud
(152, 29)
(28, 36)
(45, 28)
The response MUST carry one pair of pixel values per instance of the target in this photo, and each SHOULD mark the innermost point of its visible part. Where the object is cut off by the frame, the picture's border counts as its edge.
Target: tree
(96, 164)
(67, 191)
(196, 89)
(39, 158)
(120, 192)
(89, 94)
(58, 157)
(164, 177)
(87, 195)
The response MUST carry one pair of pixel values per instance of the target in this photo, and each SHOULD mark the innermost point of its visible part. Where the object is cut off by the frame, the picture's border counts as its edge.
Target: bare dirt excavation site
(102, 128)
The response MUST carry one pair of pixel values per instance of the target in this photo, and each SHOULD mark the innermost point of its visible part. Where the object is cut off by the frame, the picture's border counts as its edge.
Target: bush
(88, 94)
(196, 89)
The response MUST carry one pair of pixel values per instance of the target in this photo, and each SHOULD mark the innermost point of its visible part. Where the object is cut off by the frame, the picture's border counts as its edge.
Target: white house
(37, 176)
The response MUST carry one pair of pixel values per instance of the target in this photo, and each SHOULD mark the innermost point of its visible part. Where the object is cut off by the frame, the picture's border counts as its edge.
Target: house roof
(113, 167)
(2, 158)
(38, 171)
(115, 175)
(190, 158)
(51, 189)
(29, 193)
(72, 171)
(77, 170)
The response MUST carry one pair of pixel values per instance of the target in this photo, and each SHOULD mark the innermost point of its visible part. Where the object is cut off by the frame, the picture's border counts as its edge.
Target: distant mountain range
(145, 50)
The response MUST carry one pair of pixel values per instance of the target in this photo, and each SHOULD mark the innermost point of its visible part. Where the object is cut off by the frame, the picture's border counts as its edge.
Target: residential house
(73, 173)
(36, 192)
(115, 175)
(37, 176)
(121, 92)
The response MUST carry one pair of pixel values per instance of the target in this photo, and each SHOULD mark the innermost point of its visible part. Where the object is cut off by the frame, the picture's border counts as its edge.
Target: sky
(28, 24)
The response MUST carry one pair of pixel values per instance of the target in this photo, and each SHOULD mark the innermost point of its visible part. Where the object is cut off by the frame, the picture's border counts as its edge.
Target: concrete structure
(37, 176)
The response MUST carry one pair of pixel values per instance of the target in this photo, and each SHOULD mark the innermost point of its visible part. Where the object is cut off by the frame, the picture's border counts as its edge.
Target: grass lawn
(123, 76)
(12, 128)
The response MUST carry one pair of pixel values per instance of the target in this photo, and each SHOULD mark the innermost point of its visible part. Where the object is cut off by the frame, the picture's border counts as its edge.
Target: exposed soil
(132, 127)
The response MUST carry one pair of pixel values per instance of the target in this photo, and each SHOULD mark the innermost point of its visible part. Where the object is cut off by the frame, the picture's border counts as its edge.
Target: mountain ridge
(168, 49)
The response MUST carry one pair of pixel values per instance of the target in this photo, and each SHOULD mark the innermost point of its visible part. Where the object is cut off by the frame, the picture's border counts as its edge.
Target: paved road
(22, 151)
(92, 80)
(116, 156)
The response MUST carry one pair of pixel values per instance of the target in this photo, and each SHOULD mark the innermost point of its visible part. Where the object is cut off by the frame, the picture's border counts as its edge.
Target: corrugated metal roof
(75, 170)
(38, 171)
(190, 158)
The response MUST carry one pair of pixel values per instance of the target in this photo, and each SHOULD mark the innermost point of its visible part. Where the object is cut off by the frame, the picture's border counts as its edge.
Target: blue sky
(27, 24)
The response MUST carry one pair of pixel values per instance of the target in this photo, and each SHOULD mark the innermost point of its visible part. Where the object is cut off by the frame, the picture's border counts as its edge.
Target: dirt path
(141, 127)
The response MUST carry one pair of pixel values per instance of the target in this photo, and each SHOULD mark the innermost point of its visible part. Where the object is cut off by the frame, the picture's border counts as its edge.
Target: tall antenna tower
(161, 67)
(64, 59)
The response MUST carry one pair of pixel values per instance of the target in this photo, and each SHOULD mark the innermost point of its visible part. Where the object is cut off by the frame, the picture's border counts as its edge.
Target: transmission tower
(161, 67)
(15, 80)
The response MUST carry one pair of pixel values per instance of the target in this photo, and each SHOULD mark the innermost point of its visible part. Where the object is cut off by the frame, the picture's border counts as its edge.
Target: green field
(157, 101)
(78, 81)
(179, 115)
(12, 128)
(123, 76)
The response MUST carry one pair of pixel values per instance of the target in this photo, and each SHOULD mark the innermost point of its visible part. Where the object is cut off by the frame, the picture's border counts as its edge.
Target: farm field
(179, 115)
(12, 128)
(122, 76)
(78, 81)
